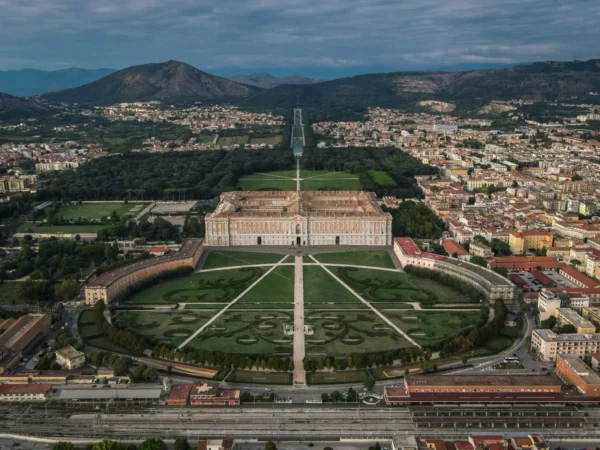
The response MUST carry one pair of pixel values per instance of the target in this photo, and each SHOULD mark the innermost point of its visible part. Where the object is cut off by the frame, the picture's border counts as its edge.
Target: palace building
(298, 218)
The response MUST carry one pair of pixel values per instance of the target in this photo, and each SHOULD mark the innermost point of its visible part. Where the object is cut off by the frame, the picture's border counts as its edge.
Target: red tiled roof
(25, 388)
(580, 277)
(453, 247)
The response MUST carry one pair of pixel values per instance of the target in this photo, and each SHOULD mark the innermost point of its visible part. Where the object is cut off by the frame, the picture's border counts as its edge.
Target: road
(299, 349)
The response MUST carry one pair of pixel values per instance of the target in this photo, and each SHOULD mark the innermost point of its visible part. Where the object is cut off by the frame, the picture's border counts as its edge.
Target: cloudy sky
(323, 38)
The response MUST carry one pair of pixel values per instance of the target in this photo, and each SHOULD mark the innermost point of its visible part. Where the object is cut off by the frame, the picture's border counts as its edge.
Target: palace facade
(298, 218)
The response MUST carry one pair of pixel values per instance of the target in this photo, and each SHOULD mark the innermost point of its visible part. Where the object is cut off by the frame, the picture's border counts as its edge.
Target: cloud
(295, 34)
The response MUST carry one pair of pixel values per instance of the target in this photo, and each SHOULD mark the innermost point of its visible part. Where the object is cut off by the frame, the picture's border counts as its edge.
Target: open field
(232, 140)
(218, 259)
(253, 333)
(87, 326)
(368, 258)
(344, 333)
(98, 211)
(297, 131)
(341, 181)
(30, 227)
(345, 376)
(210, 287)
(257, 183)
(382, 178)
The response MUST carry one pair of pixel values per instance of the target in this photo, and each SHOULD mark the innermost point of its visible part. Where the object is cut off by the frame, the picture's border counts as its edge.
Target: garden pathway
(299, 350)
(233, 302)
(371, 307)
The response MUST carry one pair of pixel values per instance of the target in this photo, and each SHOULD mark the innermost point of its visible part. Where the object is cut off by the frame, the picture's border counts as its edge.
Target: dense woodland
(204, 175)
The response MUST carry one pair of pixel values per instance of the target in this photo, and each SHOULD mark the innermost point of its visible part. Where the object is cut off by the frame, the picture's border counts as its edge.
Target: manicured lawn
(346, 376)
(170, 327)
(218, 259)
(266, 184)
(312, 180)
(8, 293)
(368, 258)
(382, 178)
(321, 290)
(297, 132)
(330, 180)
(344, 333)
(277, 287)
(98, 210)
(498, 344)
(30, 227)
(258, 333)
(230, 140)
(87, 326)
(248, 376)
(427, 327)
(394, 287)
(211, 287)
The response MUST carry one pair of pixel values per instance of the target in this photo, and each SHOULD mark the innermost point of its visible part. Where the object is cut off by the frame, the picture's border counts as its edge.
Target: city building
(527, 241)
(179, 395)
(548, 344)
(573, 371)
(17, 183)
(491, 284)
(549, 301)
(479, 249)
(566, 316)
(215, 444)
(298, 218)
(456, 250)
(69, 358)
(110, 285)
(206, 395)
(24, 392)
(591, 313)
(20, 336)
(473, 387)
(128, 394)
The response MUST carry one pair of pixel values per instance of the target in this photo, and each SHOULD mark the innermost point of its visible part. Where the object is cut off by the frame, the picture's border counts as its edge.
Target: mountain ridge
(171, 81)
(267, 81)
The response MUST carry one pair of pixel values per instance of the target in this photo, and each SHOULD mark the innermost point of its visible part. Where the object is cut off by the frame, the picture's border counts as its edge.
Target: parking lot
(535, 286)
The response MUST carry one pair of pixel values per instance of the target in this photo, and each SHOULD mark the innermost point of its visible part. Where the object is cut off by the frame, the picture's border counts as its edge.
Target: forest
(204, 175)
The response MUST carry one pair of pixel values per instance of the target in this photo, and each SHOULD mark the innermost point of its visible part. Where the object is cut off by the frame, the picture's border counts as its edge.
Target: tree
(351, 395)
(270, 445)
(368, 383)
(576, 178)
(182, 444)
(106, 444)
(63, 446)
(153, 444)
(575, 262)
(465, 360)
(549, 323)
(479, 260)
(567, 329)
(66, 290)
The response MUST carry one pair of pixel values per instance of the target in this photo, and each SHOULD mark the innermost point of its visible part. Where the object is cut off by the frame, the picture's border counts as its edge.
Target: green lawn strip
(218, 259)
(277, 287)
(335, 305)
(344, 376)
(342, 333)
(97, 210)
(498, 344)
(207, 306)
(368, 258)
(257, 377)
(221, 286)
(256, 333)
(164, 327)
(8, 293)
(321, 289)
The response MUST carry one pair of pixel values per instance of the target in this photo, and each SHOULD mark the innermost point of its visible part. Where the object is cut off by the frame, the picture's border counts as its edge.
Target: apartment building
(573, 371)
(566, 316)
(548, 344)
(526, 241)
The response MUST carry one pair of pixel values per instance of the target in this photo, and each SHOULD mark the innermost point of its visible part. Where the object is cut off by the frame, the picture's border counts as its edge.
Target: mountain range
(28, 82)
(171, 81)
(267, 81)
(18, 106)
(177, 82)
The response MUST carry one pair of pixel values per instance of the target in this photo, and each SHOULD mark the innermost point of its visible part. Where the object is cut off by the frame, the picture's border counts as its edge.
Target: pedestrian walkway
(233, 302)
(299, 350)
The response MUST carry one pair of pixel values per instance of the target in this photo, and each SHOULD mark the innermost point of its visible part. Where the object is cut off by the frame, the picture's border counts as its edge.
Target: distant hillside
(544, 80)
(268, 81)
(171, 81)
(28, 82)
(11, 106)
